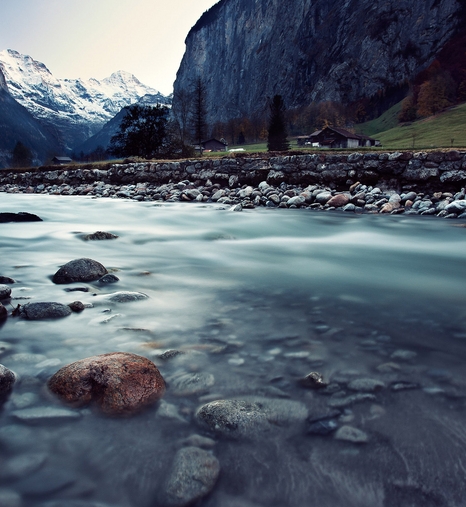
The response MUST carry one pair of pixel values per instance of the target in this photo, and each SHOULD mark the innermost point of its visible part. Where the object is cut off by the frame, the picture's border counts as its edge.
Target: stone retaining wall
(398, 171)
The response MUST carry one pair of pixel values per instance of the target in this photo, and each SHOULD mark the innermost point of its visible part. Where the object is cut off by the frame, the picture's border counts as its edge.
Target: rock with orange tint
(119, 383)
(339, 200)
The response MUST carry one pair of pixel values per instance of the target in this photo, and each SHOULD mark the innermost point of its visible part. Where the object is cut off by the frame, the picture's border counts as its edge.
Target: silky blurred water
(258, 299)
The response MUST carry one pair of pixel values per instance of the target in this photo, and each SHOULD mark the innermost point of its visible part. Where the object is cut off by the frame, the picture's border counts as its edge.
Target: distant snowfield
(74, 100)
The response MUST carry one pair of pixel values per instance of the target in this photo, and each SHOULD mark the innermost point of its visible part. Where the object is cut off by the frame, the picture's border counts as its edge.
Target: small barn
(336, 137)
(61, 160)
(215, 145)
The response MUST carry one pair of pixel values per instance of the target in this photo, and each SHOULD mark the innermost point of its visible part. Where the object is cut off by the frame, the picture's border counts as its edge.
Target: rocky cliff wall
(310, 50)
(398, 171)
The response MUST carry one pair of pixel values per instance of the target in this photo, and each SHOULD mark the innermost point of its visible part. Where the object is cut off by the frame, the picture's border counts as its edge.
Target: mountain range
(67, 111)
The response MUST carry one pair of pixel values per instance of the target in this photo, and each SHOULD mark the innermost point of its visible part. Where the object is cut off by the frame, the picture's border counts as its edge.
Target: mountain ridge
(321, 50)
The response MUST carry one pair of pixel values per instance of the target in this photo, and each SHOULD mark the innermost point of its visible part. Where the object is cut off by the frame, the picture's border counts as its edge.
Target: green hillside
(444, 130)
(386, 121)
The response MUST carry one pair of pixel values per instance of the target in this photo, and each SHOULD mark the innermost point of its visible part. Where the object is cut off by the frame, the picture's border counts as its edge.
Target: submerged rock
(351, 434)
(99, 235)
(109, 278)
(188, 384)
(76, 306)
(366, 385)
(35, 415)
(250, 416)
(48, 310)
(126, 297)
(119, 383)
(79, 270)
(234, 418)
(3, 312)
(193, 475)
(314, 381)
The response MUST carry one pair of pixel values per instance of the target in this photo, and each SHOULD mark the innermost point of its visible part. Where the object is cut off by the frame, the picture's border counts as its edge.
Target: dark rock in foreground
(120, 383)
(6, 279)
(79, 270)
(19, 217)
(7, 379)
(48, 310)
(3, 312)
(193, 475)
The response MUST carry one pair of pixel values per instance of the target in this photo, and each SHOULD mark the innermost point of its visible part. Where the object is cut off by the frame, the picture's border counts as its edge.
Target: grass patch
(444, 130)
(386, 121)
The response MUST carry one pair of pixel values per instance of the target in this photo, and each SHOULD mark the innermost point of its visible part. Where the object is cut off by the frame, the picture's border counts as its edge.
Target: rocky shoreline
(359, 198)
(421, 183)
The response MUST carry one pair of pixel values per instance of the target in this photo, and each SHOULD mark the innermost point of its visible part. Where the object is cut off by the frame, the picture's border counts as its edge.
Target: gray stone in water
(9, 498)
(347, 401)
(45, 482)
(79, 270)
(5, 292)
(323, 427)
(109, 278)
(403, 385)
(126, 297)
(351, 434)
(49, 310)
(21, 465)
(314, 380)
(188, 384)
(7, 379)
(193, 475)
(235, 418)
(100, 235)
(251, 416)
(199, 441)
(5, 347)
(404, 355)
(366, 385)
(170, 411)
(45, 414)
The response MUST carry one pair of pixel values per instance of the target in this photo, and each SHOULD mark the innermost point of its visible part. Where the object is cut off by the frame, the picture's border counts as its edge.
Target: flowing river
(257, 300)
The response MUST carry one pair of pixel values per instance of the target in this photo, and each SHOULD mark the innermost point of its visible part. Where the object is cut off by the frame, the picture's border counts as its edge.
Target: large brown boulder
(120, 383)
(79, 270)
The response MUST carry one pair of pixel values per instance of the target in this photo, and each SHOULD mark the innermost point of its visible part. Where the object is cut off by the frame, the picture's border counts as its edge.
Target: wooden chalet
(336, 137)
(61, 160)
(214, 145)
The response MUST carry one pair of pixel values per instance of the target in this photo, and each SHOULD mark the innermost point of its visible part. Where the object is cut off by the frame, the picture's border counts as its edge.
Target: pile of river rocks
(359, 198)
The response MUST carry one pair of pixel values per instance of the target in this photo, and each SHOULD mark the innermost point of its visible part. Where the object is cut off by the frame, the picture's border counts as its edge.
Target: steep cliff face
(310, 50)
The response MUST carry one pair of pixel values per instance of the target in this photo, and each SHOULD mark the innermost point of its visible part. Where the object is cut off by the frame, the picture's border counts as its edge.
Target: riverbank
(421, 183)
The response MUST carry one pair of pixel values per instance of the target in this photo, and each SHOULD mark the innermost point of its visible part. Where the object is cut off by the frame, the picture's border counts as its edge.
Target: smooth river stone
(193, 475)
(119, 383)
(79, 270)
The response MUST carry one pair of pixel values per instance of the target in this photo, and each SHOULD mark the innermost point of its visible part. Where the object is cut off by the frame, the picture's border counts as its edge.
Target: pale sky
(93, 38)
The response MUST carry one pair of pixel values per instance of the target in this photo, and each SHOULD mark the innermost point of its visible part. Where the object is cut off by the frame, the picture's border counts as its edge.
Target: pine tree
(198, 117)
(21, 156)
(277, 134)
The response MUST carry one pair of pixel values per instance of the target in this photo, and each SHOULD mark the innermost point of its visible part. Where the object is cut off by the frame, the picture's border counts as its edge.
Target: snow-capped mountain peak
(76, 105)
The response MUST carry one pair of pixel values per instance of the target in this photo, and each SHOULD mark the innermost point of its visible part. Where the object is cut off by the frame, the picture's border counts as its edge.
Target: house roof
(342, 132)
(62, 159)
(215, 140)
